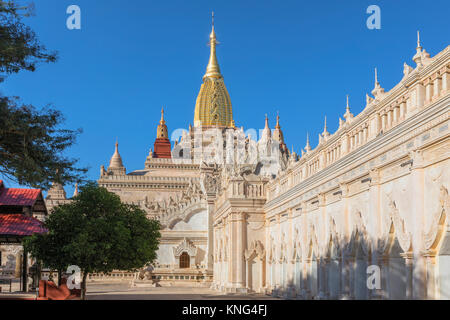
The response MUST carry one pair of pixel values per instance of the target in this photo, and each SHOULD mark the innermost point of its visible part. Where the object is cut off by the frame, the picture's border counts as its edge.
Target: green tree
(31, 140)
(98, 233)
(20, 48)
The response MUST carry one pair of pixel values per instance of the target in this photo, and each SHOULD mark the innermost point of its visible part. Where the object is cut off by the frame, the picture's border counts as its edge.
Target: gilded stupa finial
(162, 132)
(213, 106)
(277, 126)
(162, 121)
(213, 69)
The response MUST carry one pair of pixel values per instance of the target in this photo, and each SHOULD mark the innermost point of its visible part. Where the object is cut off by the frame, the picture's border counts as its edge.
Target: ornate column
(238, 246)
(322, 261)
(396, 113)
(306, 292)
(375, 212)
(445, 73)
(351, 277)
(378, 124)
(436, 86)
(417, 205)
(389, 119)
(403, 110)
(431, 276)
(383, 121)
(409, 274)
(383, 293)
(420, 97)
(428, 90)
(323, 277)
(345, 268)
(345, 145)
(291, 261)
(210, 182)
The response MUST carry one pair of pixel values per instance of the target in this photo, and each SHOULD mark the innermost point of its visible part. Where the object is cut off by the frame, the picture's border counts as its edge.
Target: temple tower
(213, 106)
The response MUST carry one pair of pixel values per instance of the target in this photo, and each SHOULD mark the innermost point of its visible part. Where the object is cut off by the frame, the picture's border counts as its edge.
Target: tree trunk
(83, 286)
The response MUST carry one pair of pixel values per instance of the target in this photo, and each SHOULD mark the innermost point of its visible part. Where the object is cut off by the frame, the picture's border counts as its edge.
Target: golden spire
(213, 105)
(278, 134)
(161, 132)
(162, 122)
(213, 69)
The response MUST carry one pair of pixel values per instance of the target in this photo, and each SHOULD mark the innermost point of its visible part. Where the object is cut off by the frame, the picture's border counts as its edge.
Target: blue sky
(300, 58)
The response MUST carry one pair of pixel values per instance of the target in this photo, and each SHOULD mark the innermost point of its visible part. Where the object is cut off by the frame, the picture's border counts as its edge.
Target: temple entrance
(185, 260)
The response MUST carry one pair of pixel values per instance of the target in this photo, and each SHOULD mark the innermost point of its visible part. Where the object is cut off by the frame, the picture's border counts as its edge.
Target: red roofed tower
(162, 146)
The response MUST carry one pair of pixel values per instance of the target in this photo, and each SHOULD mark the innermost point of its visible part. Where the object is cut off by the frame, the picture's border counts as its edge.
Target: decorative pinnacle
(376, 76)
(277, 126)
(75, 192)
(307, 147)
(418, 40)
(348, 115)
(162, 121)
(325, 131)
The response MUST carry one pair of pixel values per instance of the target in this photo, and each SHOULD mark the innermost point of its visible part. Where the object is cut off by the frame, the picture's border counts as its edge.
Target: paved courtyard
(123, 291)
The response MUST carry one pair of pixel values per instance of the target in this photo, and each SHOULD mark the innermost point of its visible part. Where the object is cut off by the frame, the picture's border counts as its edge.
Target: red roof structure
(18, 197)
(17, 208)
(19, 225)
(17, 200)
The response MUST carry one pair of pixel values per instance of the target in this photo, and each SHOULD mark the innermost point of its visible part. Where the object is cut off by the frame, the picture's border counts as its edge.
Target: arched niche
(183, 248)
(255, 258)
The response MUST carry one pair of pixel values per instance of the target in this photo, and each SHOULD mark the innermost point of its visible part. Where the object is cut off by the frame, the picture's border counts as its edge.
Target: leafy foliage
(31, 142)
(31, 145)
(19, 47)
(98, 233)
